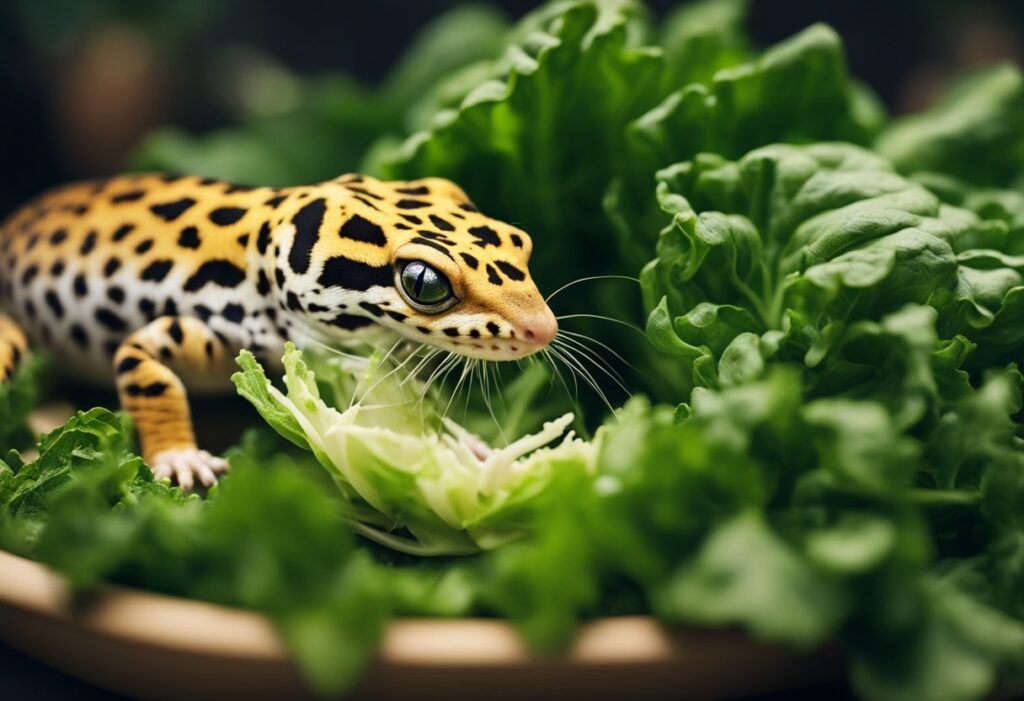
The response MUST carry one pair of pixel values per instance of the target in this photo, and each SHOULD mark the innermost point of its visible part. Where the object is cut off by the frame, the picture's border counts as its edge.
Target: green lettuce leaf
(448, 491)
(18, 397)
(972, 133)
(701, 38)
(745, 574)
(815, 249)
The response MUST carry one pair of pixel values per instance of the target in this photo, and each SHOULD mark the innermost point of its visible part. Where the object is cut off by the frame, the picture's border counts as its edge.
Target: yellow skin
(156, 282)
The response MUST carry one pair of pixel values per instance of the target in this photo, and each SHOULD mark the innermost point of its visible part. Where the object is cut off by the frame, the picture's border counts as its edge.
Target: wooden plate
(151, 646)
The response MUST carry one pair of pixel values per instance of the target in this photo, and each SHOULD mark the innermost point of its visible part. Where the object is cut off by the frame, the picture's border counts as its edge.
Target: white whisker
(388, 374)
(584, 374)
(603, 318)
(605, 346)
(467, 365)
(585, 353)
(588, 279)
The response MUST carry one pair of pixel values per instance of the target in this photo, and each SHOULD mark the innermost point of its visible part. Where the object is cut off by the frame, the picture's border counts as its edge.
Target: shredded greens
(449, 491)
(825, 440)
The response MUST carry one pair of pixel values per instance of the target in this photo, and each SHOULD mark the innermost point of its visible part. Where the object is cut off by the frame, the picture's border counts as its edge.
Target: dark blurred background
(83, 80)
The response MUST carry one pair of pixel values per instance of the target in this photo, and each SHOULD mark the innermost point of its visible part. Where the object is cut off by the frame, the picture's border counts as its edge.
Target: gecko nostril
(539, 331)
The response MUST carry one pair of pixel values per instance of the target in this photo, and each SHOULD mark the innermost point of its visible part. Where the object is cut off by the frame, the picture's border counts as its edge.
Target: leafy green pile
(834, 314)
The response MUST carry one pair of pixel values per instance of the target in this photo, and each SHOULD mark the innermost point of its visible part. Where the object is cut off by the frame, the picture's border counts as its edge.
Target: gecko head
(419, 259)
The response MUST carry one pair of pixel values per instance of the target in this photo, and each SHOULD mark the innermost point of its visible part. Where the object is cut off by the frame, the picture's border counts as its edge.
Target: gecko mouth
(527, 336)
(493, 349)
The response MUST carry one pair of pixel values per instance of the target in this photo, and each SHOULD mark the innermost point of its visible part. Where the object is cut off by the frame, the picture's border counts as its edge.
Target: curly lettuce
(408, 484)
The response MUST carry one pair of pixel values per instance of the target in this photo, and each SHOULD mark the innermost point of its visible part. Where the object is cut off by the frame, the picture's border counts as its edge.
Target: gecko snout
(538, 329)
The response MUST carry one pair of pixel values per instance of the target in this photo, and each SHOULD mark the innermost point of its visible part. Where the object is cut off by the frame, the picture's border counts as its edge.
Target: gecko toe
(186, 465)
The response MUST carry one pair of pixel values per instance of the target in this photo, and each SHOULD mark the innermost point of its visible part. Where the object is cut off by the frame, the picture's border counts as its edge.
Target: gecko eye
(426, 288)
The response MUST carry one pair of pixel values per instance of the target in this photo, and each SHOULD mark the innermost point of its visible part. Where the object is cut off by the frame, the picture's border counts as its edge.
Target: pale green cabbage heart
(410, 483)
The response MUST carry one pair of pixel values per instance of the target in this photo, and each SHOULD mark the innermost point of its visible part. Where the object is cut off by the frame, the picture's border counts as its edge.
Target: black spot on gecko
(273, 202)
(226, 216)
(485, 236)
(122, 231)
(79, 336)
(154, 389)
(511, 271)
(363, 191)
(148, 308)
(431, 244)
(307, 230)
(111, 266)
(340, 271)
(157, 270)
(203, 312)
(29, 275)
(127, 365)
(58, 237)
(349, 322)
(412, 204)
(263, 283)
(450, 331)
(110, 320)
(169, 211)
(189, 237)
(359, 229)
(442, 224)
(175, 332)
(419, 190)
(53, 302)
(372, 308)
(293, 302)
(88, 244)
(263, 239)
(517, 240)
(57, 269)
(144, 246)
(79, 286)
(130, 196)
(436, 236)
(115, 294)
(493, 328)
(471, 261)
(411, 218)
(368, 203)
(222, 273)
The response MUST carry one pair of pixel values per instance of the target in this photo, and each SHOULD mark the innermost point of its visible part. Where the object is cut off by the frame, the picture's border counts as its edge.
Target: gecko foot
(184, 465)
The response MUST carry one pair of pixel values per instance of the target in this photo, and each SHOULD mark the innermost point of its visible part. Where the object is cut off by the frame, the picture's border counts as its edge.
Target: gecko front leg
(13, 347)
(154, 395)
